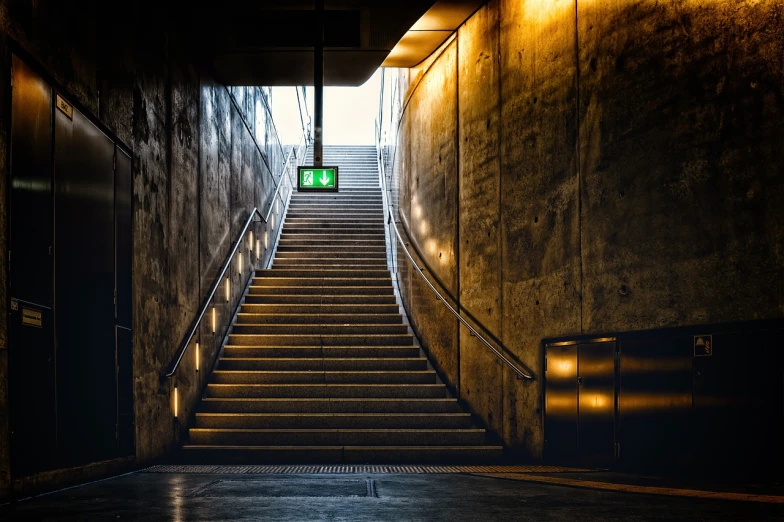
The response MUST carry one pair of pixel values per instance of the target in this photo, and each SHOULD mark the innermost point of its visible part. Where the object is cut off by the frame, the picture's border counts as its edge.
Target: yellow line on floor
(631, 488)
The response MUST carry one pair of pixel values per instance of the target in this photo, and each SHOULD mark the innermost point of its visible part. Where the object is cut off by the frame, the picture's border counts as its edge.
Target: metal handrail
(219, 279)
(525, 373)
(184, 346)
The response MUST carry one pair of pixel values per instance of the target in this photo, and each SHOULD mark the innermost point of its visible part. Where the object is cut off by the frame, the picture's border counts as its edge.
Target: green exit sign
(322, 179)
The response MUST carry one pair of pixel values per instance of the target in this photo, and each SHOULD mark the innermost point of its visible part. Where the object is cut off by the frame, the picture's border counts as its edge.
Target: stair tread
(339, 430)
(265, 415)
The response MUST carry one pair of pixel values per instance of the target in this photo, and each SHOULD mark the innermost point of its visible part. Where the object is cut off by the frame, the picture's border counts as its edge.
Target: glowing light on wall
(176, 402)
(197, 356)
(258, 248)
(213, 319)
(544, 11)
(239, 262)
(228, 289)
(250, 241)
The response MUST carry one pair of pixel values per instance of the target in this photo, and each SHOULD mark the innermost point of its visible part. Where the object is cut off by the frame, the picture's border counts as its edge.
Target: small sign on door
(31, 317)
(703, 345)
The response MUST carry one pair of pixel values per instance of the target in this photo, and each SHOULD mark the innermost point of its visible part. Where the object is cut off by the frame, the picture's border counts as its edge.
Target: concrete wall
(592, 166)
(202, 158)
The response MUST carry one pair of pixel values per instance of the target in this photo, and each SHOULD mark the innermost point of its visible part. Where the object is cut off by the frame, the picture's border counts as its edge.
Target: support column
(318, 84)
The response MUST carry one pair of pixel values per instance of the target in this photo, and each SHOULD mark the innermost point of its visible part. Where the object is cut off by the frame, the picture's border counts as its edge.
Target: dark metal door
(655, 403)
(84, 288)
(596, 414)
(32, 395)
(560, 406)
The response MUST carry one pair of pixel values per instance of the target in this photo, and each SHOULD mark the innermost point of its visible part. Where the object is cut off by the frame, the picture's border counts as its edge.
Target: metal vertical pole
(318, 83)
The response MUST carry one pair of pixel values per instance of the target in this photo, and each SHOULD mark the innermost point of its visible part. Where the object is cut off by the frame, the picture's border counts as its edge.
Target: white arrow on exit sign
(324, 179)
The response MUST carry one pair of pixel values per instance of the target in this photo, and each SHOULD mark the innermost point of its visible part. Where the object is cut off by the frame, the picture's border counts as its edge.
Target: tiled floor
(363, 496)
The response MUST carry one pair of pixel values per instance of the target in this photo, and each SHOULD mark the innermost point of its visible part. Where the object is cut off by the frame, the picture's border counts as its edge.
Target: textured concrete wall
(201, 161)
(619, 168)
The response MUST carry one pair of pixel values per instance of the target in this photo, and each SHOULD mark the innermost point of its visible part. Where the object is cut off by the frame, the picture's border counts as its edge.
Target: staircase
(319, 366)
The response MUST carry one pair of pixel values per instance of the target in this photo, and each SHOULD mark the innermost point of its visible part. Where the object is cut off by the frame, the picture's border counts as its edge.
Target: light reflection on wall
(545, 11)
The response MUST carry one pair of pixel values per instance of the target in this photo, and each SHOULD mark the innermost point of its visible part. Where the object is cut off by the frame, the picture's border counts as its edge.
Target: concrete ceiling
(430, 31)
(271, 42)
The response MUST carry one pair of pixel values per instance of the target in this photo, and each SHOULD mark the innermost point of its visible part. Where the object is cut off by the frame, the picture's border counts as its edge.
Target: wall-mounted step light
(228, 289)
(239, 262)
(176, 402)
(272, 222)
(213, 319)
(197, 356)
(250, 242)
(258, 249)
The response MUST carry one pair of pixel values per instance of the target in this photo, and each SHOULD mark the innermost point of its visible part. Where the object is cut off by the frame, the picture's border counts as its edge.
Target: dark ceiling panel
(270, 42)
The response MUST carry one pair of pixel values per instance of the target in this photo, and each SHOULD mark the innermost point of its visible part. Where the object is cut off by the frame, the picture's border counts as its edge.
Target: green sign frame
(317, 179)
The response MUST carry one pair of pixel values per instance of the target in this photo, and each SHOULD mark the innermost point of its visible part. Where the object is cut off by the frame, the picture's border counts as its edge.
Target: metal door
(596, 405)
(32, 395)
(560, 406)
(655, 404)
(84, 287)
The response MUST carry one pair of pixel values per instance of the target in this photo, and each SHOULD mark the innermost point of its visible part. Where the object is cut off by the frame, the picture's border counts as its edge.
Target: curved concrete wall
(592, 166)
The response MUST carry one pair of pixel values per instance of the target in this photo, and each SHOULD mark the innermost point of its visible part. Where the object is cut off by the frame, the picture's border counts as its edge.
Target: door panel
(32, 397)
(31, 187)
(84, 288)
(655, 403)
(561, 403)
(596, 435)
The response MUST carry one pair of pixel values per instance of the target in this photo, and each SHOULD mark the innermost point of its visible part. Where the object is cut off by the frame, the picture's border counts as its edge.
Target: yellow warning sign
(32, 317)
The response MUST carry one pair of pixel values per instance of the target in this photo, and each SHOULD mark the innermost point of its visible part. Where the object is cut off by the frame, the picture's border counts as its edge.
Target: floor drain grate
(340, 469)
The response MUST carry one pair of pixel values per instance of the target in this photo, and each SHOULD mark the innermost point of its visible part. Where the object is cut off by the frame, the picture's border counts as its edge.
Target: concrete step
(295, 263)
(322, 377)
(320, 339)
(332, 251)
(357, 391)
(319, 329)
(303, 421)
(325, 271)
(322, 364)
(332, 236)
(321, 290)
(319, 299)
(322, 352)
(323, 318)
(343, 282)
(328, 437)
(330, 405)
(219, 454)
(368, 309)
(332, 255)
(331, 265)
(337, 220)
(312, 228)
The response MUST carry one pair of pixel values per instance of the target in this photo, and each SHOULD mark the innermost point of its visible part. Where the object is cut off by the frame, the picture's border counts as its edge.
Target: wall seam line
(578, 166)
(457, 204)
